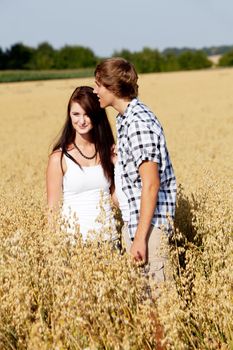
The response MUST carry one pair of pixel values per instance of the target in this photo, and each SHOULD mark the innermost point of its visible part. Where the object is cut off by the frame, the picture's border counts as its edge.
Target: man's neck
(120, 105)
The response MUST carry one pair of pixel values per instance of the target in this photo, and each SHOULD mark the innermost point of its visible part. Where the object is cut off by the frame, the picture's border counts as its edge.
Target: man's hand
(138, 249)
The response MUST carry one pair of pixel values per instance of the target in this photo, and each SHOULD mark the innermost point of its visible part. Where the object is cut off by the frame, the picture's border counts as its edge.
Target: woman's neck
(83, 140)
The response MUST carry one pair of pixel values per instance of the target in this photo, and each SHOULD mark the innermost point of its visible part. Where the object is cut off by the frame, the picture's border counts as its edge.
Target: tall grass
(199, 302)
(55, 294)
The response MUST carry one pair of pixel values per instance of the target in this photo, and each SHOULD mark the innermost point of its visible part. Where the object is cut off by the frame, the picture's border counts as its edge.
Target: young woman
(80, 170)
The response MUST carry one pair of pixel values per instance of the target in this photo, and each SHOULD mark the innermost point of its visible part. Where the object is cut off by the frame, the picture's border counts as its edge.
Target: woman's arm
(54, 178)
(113, 188)
(114, 196)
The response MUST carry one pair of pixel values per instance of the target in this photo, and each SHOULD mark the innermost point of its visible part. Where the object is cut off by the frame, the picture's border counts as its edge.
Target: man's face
(105, 96)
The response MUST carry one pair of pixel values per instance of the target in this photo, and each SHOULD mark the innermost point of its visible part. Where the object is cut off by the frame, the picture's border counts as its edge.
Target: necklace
(83, 155)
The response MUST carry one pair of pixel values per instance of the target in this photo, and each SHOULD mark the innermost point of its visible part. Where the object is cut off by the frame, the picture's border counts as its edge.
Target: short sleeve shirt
(141, 138)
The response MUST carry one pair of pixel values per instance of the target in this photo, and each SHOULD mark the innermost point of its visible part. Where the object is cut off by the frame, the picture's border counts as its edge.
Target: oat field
(56, 296)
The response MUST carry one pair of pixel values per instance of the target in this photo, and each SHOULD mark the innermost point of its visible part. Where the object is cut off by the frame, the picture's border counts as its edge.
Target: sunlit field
(54, 295)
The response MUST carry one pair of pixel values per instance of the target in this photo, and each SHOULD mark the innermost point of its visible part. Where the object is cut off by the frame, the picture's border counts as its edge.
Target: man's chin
(102, 104)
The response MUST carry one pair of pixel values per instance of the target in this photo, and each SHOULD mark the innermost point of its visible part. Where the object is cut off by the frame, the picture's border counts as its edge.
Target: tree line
(45, 57)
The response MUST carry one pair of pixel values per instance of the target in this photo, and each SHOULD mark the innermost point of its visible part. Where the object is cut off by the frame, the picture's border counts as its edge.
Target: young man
(147, 176)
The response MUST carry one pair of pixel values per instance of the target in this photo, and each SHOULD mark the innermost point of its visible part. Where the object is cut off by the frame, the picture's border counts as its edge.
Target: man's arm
(150, 186)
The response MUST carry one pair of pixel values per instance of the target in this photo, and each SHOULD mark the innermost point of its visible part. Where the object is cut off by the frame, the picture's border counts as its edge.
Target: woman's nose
(82, 120)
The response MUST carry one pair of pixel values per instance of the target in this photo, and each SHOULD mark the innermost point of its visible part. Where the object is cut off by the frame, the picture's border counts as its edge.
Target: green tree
(193, 60)
(18, 56)
(145, 61)
(2, 59)
(226, 60)
(170, 62)
(148, 60)
(75, 57)
(43, 57)
(124, 53)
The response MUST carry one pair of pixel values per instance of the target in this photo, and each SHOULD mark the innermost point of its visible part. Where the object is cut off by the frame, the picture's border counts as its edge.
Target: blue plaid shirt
(141, 138)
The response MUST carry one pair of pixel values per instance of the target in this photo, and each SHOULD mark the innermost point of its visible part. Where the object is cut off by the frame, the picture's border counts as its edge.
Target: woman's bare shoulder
(55, 157)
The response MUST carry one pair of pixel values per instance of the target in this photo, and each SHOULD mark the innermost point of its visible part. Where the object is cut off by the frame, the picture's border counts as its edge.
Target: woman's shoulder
(55, 156)
(54, 163)
(57, 153)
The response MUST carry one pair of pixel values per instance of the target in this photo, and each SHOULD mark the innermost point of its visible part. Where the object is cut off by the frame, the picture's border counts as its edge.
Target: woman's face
(80, 120)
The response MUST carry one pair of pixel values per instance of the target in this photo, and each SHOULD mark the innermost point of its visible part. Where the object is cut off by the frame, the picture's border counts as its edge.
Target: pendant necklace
(83, 155)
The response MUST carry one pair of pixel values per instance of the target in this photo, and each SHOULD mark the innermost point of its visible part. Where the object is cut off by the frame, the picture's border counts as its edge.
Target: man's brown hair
(118, 76)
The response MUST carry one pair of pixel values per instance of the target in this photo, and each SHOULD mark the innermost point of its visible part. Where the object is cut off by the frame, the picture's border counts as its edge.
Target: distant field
(30, 75)
(196, 111)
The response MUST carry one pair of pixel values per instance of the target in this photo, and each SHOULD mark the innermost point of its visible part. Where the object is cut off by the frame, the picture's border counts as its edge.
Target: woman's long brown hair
(102, 134)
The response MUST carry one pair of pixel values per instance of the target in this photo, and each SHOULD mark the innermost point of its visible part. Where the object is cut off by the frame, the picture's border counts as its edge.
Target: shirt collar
(122, 118)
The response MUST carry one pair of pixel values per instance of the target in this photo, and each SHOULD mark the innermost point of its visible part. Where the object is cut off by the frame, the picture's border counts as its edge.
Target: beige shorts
(157, 251)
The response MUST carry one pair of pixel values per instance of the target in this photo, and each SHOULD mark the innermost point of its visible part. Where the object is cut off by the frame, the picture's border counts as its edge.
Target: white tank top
(86, 200)
(122, 199)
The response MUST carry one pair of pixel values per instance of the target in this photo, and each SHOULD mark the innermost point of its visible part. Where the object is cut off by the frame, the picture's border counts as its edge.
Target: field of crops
(56, 296)
(8, 76)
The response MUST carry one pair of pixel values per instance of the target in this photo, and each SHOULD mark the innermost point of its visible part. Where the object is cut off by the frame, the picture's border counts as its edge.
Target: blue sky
(107, 25)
